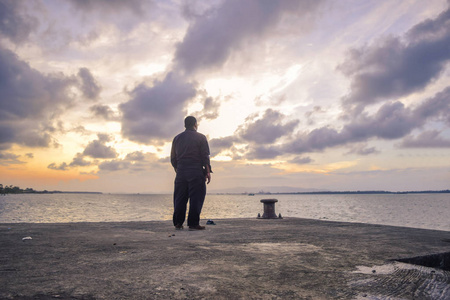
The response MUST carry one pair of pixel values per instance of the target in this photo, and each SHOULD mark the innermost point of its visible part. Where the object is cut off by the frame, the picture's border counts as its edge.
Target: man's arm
(173, 156)
(208, 175)
(204, 152)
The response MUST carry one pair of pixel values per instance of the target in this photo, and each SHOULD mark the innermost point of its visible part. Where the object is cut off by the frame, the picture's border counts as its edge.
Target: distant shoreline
(10, 189)
(338, 193)
(64, 192)
(50, 192)
(254, 194)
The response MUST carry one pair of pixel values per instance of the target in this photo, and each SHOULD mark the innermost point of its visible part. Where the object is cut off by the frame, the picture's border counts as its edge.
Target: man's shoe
(178, 227)
(197, 227)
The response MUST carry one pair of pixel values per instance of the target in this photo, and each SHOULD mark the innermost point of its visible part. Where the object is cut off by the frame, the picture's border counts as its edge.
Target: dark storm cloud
(135, 156)
(62, 167)
(301, 160)
(267, 129)
(79, 161)
(99, 149)
(392, 121)
(103, 111)
(263, 152)
(214, 35)
(27, 92)
(316, 140)
(110, 6)
(156, 112)
(89, 85)
(29, 100)
(427, 139)
(35, 137)
(28, 132)
(259, 132)
(133, 162)
(218, 145)
(396, 67)
(437, 107)
(362, 149)
(210, 109)
(7, 158)
(14, 24)
(113, 165)
(431, 29)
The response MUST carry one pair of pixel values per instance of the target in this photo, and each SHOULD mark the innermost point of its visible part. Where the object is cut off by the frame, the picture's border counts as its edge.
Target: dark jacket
(190, 151)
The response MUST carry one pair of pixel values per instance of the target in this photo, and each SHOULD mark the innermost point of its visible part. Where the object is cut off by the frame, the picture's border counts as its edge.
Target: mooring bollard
(269, 209)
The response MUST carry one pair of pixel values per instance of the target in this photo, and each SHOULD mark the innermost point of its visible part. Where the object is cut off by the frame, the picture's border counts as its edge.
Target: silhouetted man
(190, 159)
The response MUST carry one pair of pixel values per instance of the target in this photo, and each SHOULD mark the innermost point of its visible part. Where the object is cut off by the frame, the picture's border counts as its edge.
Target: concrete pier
(288, 258)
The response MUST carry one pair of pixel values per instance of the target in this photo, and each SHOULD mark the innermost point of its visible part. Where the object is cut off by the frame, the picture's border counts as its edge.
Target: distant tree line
(10, 189)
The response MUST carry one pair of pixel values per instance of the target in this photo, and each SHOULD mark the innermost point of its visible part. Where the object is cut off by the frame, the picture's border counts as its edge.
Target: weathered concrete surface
(236, 259)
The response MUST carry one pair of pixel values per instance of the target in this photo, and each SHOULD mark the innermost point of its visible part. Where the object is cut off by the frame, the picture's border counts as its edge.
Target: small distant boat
(251, 194)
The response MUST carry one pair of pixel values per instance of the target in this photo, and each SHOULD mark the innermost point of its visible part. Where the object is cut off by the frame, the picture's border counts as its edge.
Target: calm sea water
(430, 211)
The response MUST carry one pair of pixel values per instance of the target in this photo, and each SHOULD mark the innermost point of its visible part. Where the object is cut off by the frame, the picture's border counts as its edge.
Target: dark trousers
(189, 185)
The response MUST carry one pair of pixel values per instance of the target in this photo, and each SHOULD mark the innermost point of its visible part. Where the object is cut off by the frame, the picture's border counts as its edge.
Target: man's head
(190, 122)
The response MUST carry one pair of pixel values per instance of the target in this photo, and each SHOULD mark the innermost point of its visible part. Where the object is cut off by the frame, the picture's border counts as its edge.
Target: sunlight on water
(428, 211)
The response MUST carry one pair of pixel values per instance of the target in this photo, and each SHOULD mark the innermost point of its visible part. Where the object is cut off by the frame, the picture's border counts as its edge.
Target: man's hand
(208, 175)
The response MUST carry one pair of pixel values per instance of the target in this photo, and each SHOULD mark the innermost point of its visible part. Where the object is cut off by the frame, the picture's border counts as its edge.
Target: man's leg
(180, 199)
(197, 192)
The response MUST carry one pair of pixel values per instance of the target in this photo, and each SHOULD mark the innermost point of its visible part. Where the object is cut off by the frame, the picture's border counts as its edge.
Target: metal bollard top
(268, 200)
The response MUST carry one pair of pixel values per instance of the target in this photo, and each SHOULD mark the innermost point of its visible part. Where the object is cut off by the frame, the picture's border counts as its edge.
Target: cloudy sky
(307, 94)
